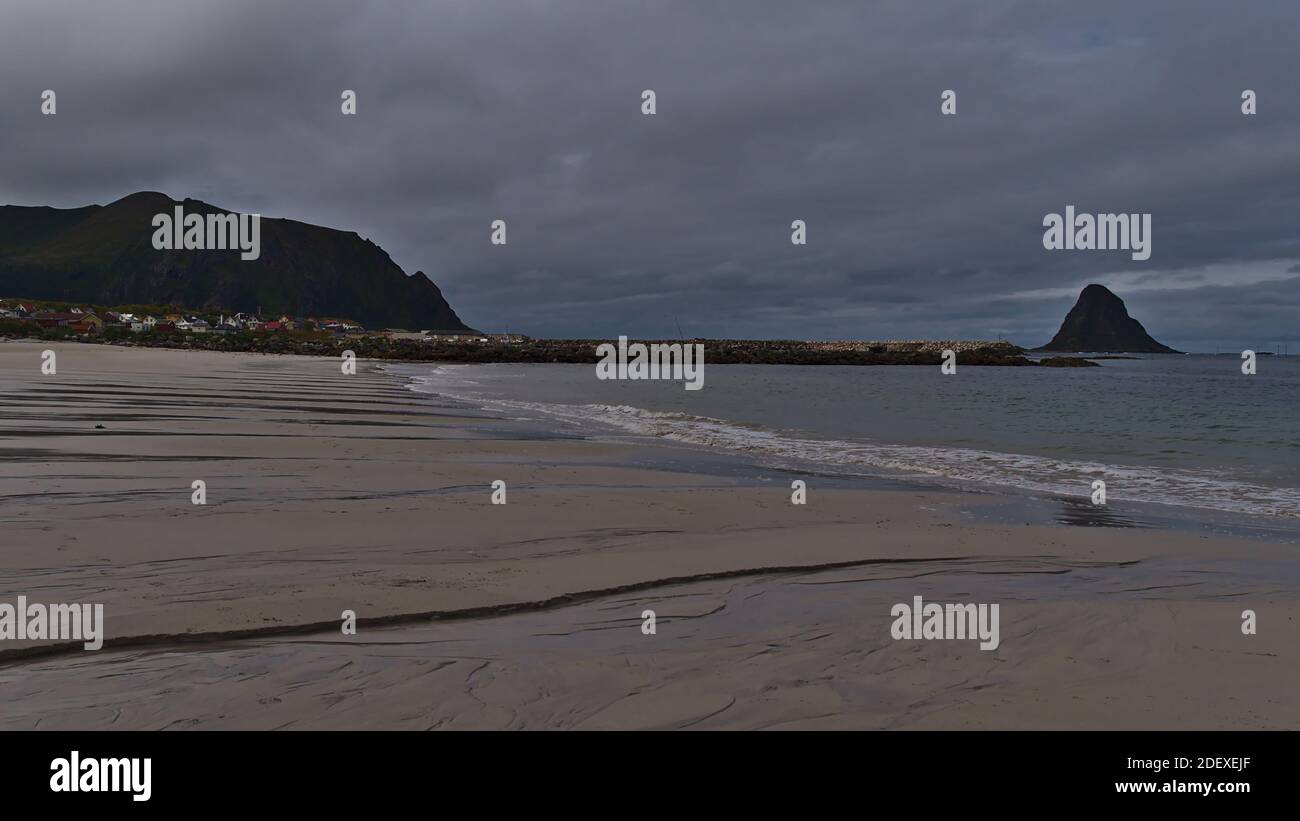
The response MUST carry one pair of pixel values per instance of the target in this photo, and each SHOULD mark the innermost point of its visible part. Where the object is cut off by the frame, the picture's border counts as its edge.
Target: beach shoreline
(327, 492)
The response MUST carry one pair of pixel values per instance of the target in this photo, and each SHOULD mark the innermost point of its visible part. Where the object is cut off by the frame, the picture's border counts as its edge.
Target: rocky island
(1099, 323)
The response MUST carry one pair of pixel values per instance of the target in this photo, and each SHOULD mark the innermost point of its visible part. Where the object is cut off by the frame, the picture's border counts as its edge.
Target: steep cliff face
(105, 255)
(1100, 323)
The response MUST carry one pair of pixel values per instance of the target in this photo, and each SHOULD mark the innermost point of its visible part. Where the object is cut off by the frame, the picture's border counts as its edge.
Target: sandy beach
(328, 492)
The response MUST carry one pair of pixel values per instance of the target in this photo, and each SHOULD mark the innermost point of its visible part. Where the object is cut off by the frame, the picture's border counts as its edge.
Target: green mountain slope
(104, 255)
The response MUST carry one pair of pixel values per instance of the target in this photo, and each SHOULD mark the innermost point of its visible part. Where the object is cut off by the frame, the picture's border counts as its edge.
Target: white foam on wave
(950, 466)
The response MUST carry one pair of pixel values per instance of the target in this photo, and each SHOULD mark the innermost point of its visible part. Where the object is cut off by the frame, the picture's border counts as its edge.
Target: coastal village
(92, 321)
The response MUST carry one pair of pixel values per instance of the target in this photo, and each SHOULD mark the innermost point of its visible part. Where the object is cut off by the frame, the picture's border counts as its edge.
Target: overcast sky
(919, 224)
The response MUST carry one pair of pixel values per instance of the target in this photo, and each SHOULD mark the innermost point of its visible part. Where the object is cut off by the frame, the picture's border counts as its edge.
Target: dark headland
(103, 255)
(1099, 323)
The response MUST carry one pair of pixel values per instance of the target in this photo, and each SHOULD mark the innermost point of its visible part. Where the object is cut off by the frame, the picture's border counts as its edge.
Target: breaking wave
(948, 466)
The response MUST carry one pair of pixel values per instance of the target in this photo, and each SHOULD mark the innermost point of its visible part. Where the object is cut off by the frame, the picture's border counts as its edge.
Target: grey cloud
(919, 225)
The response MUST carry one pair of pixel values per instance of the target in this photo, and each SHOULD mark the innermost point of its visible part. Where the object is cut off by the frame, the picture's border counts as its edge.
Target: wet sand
(328, 492)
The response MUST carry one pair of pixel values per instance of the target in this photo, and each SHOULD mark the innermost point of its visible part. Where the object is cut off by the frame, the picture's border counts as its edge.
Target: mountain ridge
(104, 254)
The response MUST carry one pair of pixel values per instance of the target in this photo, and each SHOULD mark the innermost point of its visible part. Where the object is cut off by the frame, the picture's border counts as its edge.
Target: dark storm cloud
(919, 225)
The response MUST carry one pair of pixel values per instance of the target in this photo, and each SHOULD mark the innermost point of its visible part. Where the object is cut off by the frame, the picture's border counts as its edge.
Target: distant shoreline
(475, 349)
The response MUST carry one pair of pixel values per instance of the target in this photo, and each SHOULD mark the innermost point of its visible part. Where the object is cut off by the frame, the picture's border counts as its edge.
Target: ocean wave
(946, 466)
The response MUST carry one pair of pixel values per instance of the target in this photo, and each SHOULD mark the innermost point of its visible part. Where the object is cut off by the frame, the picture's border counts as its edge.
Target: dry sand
(328, 492)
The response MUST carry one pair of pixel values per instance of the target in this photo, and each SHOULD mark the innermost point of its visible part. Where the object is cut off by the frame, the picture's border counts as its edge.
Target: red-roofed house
(54, 319)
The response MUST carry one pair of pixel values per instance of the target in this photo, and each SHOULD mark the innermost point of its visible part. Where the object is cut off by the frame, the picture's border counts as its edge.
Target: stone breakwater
(860, 352)
(916, 346)
(583, 351)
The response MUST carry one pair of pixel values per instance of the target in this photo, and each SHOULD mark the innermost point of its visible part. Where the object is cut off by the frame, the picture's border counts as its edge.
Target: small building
(55, 319)
(87, 324)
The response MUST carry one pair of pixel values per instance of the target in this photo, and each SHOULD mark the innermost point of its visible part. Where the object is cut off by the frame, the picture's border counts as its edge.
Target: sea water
(1185, 431)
